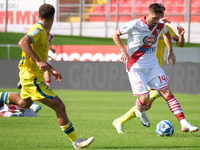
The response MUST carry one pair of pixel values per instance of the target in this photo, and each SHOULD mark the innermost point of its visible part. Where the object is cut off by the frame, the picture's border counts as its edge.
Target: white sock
(183, 122)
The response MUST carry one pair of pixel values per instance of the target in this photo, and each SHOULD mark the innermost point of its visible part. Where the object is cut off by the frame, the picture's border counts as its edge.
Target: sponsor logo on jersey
(147, 50)
(34, 32)
(149, 40)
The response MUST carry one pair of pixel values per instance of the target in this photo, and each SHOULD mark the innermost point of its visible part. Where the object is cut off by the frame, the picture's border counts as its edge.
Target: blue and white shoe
(82, 143)
(35, 108)
(17, 114)
(143, 118)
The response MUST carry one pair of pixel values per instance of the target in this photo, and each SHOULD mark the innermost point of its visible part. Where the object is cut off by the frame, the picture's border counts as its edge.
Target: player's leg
(11, 114)
(141, 103)
(5, 111)
(43, 93)
(57, 105)
(119, 122)
(138, 80)
(47, 78)
(176, 109)
(14, 98)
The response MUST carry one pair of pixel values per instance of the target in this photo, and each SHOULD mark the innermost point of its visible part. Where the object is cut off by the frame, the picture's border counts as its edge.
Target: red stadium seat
(195, 18)
(195, 9)
(99, 9)
(195, 2)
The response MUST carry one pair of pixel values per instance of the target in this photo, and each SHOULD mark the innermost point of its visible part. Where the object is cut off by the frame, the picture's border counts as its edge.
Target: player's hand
(165, 20)
(53, 50)
(171, 57)
(57, 75)
(42, 65)
(181, 30)
(124, 57)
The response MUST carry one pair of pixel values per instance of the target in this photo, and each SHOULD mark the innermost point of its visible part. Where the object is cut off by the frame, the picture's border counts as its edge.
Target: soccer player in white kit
(141, 61)
(47, 75)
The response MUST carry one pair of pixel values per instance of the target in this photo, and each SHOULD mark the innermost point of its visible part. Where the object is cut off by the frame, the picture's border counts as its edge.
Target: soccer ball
(165, 128)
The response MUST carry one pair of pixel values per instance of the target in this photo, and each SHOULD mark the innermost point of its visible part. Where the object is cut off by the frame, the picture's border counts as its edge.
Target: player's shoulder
(37, 28)
(168, 27)
(137, 22)
(161, 22)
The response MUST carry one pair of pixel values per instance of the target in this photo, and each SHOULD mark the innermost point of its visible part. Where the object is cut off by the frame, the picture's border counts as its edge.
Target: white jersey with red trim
(142, 43)
(50, 38)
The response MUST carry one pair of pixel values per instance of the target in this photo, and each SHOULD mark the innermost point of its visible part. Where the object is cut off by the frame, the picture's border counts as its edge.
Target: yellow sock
(69, 131)
(153, 95)
(4, 97)
(127, 116)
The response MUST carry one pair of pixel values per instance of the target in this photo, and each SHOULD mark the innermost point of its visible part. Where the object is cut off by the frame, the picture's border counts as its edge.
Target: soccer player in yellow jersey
(35, 46)
(180, 41)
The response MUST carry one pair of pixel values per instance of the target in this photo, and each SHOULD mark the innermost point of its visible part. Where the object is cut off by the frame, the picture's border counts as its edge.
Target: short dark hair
(156, 8)
(46, 11)
(163, 7)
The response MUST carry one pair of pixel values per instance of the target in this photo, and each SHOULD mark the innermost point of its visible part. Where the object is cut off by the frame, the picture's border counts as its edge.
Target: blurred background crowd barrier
(97, 18)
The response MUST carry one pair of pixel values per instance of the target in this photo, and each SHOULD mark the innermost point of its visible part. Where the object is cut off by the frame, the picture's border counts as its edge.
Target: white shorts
(48, 60)
(155, 78)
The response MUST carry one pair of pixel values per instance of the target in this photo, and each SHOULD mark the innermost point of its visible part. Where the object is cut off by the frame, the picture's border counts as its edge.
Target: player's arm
(25, 44)
(124, 55)
(57, 75)
(168, 42)
(179, 40)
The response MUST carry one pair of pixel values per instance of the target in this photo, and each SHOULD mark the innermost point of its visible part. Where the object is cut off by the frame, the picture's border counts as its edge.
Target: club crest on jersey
(149, 40)
(140, 88)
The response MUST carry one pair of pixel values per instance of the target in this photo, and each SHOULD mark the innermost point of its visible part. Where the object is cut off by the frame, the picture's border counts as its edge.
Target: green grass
(13, 38)
(92, 113)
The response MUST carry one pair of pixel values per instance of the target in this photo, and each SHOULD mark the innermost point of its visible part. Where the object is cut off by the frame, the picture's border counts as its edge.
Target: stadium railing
(8, 47)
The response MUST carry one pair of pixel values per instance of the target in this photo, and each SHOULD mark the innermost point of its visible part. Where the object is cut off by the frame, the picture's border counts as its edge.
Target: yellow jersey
(40, 45)
(161, 46)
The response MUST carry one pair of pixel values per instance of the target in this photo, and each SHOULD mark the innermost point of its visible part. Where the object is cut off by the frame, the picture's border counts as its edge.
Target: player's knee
(148, 107)
(23, 103)
(62, 106)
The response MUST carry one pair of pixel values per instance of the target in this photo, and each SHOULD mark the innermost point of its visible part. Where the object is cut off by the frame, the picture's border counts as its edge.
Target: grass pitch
(92, 114)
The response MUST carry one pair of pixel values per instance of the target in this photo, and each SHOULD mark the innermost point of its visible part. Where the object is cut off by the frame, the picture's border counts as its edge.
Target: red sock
(12, 106)
(48, 82)
(140, 106)
(175, 107)
(16, 107)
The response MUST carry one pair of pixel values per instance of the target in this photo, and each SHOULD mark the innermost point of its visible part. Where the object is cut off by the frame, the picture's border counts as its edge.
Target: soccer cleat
(82, 143)
(19, 86)
(17, 114)
(143, 118)
(29, 113)
(188, 127)
(35, 108)
(119, 127)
